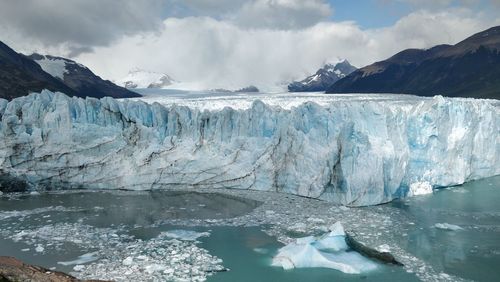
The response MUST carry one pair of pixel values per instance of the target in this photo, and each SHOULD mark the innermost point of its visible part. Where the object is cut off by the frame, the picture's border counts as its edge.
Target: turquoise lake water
(473, 252)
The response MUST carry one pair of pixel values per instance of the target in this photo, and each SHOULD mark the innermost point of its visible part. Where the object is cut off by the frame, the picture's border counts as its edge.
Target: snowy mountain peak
(323, 78)
(138, 78)
(55, 66)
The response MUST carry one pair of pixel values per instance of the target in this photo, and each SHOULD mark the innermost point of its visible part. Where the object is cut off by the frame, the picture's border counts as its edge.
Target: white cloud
(218, 53)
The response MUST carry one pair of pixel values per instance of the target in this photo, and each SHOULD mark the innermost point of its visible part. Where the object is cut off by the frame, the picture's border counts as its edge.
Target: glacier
(350, 152)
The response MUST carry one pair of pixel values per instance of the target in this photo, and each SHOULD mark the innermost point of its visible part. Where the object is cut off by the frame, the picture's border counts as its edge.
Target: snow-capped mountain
(20, 75)
(146, 79)
(80, 78)
(470, 68)
(323, 78)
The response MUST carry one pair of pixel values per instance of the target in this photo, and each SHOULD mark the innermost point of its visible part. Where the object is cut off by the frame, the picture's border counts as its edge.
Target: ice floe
(447, 226)
(329, 250)
(186, 235)
(85, 258)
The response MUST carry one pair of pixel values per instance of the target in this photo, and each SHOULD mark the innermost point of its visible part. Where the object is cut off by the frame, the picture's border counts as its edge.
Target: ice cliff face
(354, 153)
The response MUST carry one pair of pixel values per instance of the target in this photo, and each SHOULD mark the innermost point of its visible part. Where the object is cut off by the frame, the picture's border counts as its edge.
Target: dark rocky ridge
(470, 68)
(85, 82)
(21, 75)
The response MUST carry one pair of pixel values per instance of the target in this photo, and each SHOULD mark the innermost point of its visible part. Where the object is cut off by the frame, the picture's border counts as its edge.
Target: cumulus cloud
(79, 25)
(218, 53)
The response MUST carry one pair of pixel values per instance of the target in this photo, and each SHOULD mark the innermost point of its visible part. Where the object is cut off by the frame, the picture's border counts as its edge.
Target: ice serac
(350, 152)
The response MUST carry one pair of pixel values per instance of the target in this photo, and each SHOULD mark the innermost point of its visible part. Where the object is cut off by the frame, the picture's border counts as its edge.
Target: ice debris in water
(420, 188)
(447, 226)
(85, 258)
(329, 250)
(120, 257)
(185, 235)
(24, 213)
(158, 259)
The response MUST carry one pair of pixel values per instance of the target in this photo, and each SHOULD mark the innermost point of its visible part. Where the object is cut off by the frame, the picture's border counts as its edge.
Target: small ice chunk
(39, 249)
(85, 258)
(298, 227)
(34, 193)
(447, 226)
(79, 267)
(384, 248)
(128, 261)
(420, 188)
(260, 250)
(185, 235)
(25, 250)
(270, 212)
(315, 220)
(154, 268)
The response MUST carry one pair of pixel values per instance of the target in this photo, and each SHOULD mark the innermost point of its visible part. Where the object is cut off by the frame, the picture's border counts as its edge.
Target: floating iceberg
(447, 226)
(358, 152)
(185, 235)
(85, 258)
(330, 251)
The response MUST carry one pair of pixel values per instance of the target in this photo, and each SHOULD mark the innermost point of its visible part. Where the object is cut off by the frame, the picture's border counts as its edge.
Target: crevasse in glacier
(354, 153)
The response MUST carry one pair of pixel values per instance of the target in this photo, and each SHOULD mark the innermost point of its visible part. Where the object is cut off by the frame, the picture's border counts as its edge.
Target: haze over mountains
(139, 78)
(21, 75)
(470, 68)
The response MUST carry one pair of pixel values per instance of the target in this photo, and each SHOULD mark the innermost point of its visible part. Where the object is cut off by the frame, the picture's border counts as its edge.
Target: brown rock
(12, 269)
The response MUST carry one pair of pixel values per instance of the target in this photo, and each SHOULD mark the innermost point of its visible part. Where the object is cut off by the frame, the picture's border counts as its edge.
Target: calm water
(472, 253)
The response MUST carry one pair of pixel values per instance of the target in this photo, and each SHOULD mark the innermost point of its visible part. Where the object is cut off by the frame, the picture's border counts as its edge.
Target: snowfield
(349, 149)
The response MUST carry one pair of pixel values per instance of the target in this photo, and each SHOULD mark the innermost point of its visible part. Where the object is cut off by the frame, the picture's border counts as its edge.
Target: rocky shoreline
(14, 270)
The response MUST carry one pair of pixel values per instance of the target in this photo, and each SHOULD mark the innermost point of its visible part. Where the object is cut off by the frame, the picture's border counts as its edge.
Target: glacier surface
(353, 152)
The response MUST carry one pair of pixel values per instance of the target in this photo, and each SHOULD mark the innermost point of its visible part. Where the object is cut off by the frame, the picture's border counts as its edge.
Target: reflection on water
(136, 208)
(473, 252)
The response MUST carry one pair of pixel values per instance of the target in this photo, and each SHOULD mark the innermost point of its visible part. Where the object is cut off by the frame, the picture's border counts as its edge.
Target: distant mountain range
(470, 68)
(21, 75)
(248, 89)
(323, 78)
(145, 79)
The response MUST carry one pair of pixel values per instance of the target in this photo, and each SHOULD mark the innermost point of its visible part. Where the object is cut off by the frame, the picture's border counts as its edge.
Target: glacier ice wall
(353, 153)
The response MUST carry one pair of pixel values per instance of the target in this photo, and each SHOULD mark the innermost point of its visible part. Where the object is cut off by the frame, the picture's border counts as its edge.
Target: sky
(234, 43)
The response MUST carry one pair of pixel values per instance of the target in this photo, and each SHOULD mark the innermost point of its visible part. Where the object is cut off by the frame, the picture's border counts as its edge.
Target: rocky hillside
(80, 78)
(470, 68)
(21, 75)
